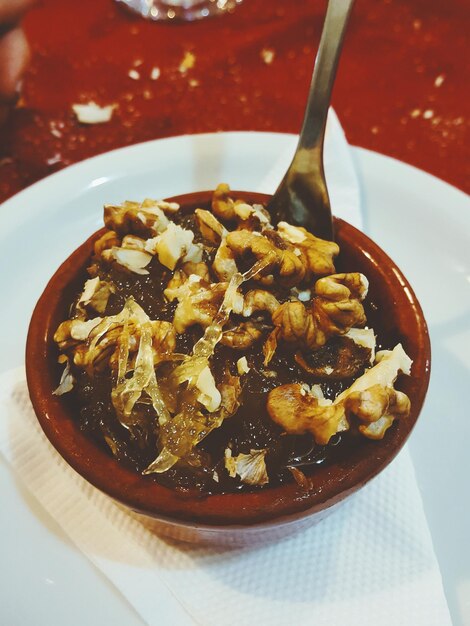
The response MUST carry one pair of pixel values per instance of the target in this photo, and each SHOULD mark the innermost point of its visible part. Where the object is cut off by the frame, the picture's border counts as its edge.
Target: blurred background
(402, 87)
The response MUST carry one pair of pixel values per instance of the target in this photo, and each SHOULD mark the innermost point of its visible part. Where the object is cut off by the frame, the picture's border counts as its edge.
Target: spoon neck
(324, 73)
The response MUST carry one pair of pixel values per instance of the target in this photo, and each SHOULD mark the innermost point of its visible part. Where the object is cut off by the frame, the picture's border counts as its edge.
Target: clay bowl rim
(270, 506)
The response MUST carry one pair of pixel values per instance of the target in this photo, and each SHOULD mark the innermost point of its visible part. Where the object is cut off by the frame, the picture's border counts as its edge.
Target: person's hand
(14, 50)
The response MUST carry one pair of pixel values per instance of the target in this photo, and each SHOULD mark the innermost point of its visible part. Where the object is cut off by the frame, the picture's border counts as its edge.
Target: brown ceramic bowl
(238, 517)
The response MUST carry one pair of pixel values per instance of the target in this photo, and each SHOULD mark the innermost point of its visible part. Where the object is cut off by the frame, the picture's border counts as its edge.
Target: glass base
(180, 10)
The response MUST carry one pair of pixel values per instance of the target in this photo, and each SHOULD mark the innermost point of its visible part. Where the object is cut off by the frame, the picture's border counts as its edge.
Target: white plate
(423, 223)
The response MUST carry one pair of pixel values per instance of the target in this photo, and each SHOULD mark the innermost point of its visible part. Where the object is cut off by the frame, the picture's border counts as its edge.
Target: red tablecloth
(402, 87)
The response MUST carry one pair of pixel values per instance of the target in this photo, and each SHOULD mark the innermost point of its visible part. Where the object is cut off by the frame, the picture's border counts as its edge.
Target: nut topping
(289, 266)
(371, 399)
(317, 254)
(229, 293)
(211, 229)
(135, 218)
(223, 206)
(334, 310)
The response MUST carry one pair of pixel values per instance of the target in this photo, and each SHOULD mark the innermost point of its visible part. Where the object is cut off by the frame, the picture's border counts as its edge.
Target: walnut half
(371, 400)
(334, 310)
(285, 261)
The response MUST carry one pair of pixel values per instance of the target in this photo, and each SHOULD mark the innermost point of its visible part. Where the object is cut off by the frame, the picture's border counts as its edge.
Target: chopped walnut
(210, 227)
(176, 243)
(224, 264)
(67, 381)
(132, 242)
(295, 324)
(340, 287)
(252, 217)
(198, 269)
(242, 366)
(298, 413)
(198, 301)
(249, 217)
(242, 336)
(197, 304)
(167, 207)
(290, 268)
(95, 295)
(337, 303)
(258, 300)
(110, 239)
(365, 338)
(318, 254)
(371, 399)
(222, 204)
(89, 290)
(376, 408)
(135, 218)
(304, 483)
(97, 342)
(335, 308)
(243, 211)
(250, 467)
(130, 253)
(178, 279)
(70, 332)
(132, 259)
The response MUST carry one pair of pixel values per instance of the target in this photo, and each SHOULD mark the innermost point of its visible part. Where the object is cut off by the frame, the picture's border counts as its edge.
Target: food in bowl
(214, 352)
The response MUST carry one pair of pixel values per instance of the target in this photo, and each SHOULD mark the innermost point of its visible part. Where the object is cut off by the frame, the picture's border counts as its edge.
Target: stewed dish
(203, 355)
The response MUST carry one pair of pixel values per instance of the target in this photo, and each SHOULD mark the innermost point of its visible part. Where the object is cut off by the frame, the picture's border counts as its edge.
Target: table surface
(402, 87)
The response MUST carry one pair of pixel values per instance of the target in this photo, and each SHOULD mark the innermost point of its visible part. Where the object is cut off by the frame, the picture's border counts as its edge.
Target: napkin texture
(370, 562)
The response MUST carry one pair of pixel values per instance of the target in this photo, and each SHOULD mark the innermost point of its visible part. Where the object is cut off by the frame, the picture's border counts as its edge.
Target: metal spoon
(302, 197)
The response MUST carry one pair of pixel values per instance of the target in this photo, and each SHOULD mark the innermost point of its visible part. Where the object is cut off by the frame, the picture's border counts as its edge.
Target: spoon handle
(326, 63)
(302, 197)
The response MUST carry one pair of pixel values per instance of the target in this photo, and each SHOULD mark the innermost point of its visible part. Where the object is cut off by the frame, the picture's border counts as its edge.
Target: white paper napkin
(370, 562)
